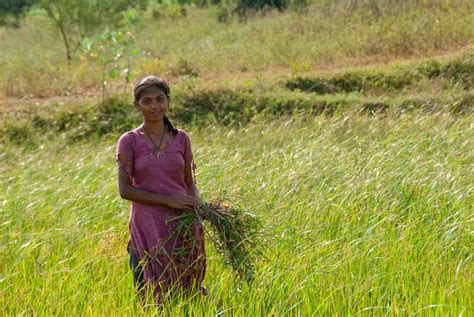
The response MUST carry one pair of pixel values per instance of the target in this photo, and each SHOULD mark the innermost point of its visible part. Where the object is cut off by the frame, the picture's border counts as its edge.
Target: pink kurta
(168, 259)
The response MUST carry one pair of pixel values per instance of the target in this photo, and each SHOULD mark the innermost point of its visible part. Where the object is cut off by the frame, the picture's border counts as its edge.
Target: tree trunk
(59, 23)
(66, 42)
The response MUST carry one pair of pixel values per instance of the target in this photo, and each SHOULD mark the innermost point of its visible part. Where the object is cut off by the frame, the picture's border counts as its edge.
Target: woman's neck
(154, 127)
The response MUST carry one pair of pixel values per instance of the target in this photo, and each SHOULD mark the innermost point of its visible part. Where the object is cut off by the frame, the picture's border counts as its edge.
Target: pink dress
(168, 259)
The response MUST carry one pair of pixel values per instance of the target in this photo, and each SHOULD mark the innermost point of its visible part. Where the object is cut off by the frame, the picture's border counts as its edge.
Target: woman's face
(153, 104)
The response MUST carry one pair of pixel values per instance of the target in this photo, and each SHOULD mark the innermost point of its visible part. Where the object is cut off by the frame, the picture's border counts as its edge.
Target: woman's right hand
(182, 202)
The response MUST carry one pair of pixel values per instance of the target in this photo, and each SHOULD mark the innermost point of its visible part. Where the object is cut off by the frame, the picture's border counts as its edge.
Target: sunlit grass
(364, 214)
(32, 58)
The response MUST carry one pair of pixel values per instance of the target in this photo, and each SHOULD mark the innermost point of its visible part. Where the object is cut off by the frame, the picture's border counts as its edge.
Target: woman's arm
(129, 192)
(189, 180)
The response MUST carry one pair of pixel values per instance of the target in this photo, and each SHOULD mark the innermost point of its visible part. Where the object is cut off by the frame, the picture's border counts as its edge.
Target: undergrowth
(446, 85)
(454, 72)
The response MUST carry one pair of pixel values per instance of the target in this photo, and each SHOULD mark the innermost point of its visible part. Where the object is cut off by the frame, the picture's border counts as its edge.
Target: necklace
(157, 148)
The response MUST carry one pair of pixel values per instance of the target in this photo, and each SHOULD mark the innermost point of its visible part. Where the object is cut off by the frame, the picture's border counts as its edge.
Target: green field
(353, 141)
(364, 215)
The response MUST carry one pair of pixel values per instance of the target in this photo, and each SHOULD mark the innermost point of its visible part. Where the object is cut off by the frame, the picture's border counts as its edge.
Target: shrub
(12, 10)
(456, 72)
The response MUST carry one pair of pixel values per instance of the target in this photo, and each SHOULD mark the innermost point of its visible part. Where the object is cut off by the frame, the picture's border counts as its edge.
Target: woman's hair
(161, 84)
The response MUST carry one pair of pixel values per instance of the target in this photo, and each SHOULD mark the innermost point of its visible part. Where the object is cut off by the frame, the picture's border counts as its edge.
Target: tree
(76, 19)
(113, 50)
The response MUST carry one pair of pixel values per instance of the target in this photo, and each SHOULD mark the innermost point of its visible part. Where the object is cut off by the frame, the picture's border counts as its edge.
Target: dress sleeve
(124, 148)
(188, 153)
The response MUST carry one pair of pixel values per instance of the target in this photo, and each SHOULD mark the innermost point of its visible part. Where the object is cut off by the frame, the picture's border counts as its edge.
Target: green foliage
(77, 19)
(11, 10)
(112, 116)
(427, 86)
(246, 8)
(459, 71)
(113, 50)
(233, 107)
(223, 107)
(183, 68)
(15, 133)
(168, 11)
(244, 5)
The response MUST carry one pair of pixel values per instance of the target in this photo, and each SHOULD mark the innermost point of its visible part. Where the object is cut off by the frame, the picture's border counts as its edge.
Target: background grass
(323, 35)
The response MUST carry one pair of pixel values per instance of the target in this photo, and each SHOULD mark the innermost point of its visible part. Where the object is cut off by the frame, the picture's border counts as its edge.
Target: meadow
(324, 37)
(349, 132)
(364, 215)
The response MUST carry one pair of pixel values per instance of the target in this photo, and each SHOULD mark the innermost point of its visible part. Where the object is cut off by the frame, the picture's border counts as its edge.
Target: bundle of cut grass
(235, 233)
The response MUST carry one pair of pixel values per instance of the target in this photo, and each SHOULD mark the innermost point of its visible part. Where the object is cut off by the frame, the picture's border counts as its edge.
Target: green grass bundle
(235, 233)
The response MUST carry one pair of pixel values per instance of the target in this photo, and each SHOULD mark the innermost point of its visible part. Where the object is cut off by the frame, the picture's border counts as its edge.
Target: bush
(245, 5)
(11, 10)
(244, 8)
(456, 72)
(170, 11)
(222, 107)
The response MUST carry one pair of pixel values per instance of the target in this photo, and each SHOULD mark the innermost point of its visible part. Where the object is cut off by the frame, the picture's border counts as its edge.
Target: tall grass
(366, 215)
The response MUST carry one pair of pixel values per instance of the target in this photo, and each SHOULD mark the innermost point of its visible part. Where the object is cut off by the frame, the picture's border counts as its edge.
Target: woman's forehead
(152, 91)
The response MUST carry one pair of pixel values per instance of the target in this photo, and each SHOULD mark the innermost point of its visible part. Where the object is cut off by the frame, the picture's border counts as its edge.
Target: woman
(155, 172)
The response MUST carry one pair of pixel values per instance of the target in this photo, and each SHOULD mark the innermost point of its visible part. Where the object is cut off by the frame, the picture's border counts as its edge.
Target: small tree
(76, 19)
(113, 50)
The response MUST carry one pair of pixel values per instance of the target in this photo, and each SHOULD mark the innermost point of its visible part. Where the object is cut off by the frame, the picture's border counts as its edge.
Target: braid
(170, 126)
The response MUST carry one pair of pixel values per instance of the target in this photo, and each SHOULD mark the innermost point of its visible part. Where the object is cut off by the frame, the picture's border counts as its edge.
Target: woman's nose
(155, 105)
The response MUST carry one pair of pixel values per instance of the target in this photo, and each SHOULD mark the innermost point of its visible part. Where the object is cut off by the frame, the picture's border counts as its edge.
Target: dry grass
(32, 59)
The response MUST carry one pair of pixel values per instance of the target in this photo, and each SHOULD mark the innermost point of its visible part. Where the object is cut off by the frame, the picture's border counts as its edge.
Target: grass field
(322, 38)
(348, 132)
(365, 215)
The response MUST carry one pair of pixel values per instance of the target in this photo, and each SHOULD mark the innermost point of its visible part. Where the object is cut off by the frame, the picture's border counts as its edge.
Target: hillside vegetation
(325, 58)
(322, 36)
(428, 87)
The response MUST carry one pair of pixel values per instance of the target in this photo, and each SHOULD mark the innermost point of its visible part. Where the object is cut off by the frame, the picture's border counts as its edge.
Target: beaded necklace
(157, 148)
